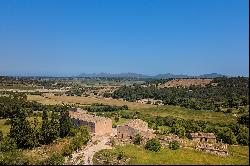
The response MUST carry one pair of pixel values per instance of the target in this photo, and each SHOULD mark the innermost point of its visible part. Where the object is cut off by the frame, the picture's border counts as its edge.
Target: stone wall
(103, 127)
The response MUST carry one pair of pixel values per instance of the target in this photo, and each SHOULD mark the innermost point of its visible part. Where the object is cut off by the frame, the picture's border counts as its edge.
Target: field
(51, 100)
(182, 156)
(185, 83)
(185, 113)
(153, 110)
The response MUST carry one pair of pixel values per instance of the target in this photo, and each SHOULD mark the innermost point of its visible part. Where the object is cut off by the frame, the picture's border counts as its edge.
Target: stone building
(203, 137)
(98, 126)
(129, 130)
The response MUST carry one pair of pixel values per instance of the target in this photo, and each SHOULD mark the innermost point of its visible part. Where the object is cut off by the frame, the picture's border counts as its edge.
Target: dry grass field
(52, 100)
(185, 83)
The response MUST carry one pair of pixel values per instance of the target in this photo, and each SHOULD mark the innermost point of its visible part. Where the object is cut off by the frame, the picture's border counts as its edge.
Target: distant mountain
(121, 75)
(212, 75)
(169, 75)
(142, 76)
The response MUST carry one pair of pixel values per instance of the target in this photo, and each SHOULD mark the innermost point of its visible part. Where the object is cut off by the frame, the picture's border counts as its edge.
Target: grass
(185, 113)
(4, 128)
(182, 156)
(121, 121)
(51, 100)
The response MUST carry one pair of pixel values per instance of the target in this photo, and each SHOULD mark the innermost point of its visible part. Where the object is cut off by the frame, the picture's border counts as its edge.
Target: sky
(70, 37)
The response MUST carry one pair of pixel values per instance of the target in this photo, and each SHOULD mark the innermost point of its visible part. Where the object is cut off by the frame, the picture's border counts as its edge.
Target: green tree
(227, 135)
(65, 123)
(23, 134)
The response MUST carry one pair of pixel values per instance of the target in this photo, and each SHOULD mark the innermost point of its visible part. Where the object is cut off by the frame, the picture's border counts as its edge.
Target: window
(130, 137)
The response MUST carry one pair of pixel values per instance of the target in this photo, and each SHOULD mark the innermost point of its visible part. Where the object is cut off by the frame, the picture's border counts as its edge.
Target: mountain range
(158, 76)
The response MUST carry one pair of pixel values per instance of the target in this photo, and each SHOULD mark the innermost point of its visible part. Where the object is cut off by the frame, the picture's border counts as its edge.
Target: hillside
(185, 83)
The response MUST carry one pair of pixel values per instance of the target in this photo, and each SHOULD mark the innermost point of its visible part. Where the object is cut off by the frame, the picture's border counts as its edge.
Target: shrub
(54, 159)
(120, 155)
(138, 139)
(1, 135)
(112, 141)
(66, 151)
(7, 144)
(153, 145)
(174, 145)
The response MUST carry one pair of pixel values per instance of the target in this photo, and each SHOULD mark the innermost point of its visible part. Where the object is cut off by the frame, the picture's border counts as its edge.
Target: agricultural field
(239, 155)
(51, 100)
(185, 113)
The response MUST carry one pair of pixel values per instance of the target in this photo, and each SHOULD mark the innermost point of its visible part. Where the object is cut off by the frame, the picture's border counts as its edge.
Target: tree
(23, 134)
(138, 139)
(65, 123)
(153, 145)
(227, 135)
(55, 125)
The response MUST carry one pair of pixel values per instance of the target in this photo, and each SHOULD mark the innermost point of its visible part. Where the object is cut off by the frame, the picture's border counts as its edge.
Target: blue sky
(69, 37)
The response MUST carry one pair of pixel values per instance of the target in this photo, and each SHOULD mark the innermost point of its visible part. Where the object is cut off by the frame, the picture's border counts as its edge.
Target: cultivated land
(181, 112)
(239, 155)
(51, 100)
(185, 83)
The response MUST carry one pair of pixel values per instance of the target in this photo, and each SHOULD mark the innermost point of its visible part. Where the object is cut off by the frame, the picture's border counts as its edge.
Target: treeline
(27, 134)
(228, 93)
(12, 103)
(234, 133)
(96, 107)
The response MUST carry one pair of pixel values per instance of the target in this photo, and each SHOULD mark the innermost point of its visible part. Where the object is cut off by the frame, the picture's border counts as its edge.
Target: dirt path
(85, 156)
(92, 149)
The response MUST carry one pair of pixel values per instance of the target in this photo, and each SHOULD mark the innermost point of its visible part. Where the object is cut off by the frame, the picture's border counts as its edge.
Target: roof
(202, 135)
(86, 117)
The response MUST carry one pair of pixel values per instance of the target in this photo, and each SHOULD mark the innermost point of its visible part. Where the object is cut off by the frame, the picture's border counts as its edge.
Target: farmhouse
(129, 130)
(98, 125)
(203, 137)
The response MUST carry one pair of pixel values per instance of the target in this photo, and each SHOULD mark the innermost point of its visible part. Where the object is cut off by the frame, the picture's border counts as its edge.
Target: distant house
(203, 137)
(129, 130)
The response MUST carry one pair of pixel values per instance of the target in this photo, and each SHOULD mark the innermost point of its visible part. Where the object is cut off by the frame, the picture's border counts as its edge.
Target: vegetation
(96, 107)
(227, 93)
(174, 145)
(153, 145)
(238, 155)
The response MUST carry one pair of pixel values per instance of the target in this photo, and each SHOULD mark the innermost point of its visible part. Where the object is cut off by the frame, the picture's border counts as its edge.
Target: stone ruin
(97, 125)
(199, 141)
(215, 148)
(128, 131)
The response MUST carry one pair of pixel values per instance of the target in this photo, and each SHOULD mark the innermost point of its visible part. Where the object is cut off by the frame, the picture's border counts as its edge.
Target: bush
(138, 139)
(7, 144)
(120, 155)
(66, 151)
(174, 145)
(54, 159)
(1, 135)
(153, 145)
(14, 157)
